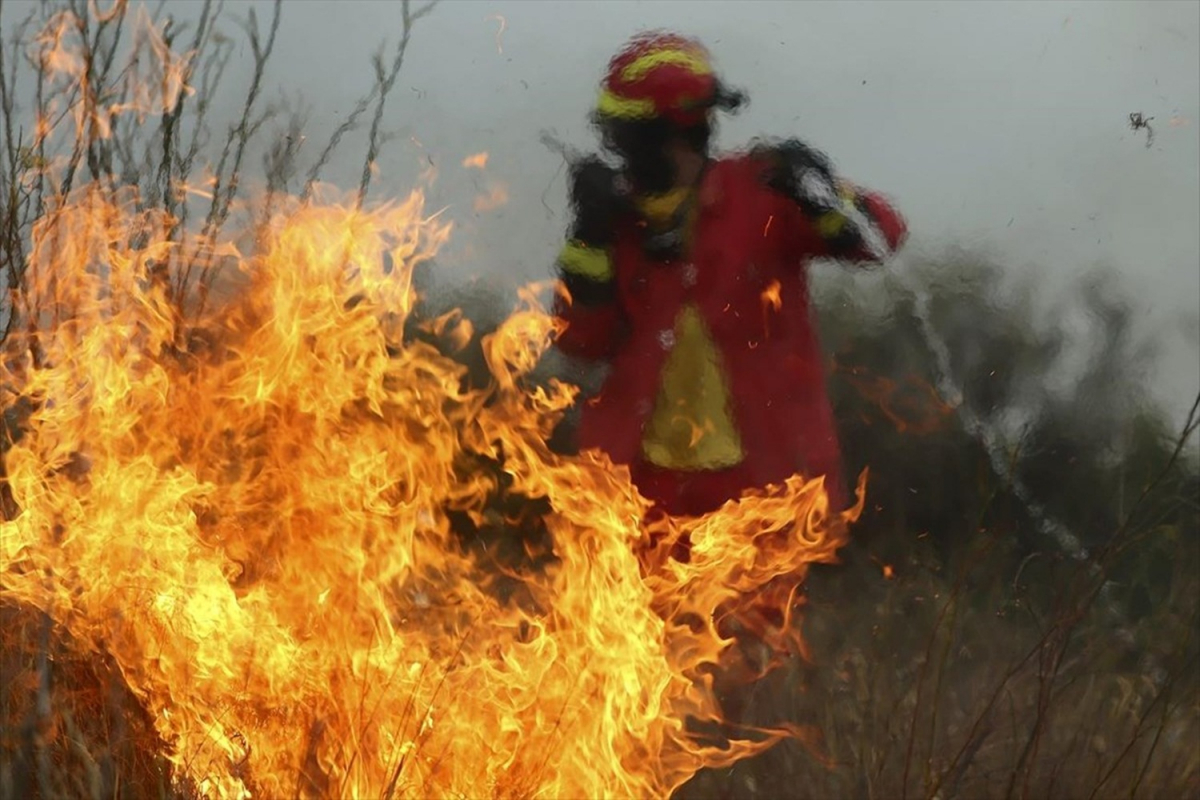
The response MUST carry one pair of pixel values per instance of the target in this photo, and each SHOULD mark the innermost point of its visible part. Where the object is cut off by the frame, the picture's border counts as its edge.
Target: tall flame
(153, 81)
(257, 528)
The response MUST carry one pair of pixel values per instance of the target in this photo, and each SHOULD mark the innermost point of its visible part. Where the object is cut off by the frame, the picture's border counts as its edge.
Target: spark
(770, 296)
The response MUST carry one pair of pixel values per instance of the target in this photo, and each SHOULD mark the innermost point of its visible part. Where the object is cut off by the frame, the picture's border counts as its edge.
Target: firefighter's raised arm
(591, 309)
(836, 218)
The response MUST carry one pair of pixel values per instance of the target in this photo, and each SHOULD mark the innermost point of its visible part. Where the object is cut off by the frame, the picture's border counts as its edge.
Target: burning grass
(256, 531)
(71, 728)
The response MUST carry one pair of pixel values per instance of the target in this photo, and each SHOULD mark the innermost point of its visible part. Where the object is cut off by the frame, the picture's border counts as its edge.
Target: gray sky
(1003, 124)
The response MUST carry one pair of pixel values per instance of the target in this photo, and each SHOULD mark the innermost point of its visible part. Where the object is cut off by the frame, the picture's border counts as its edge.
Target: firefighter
(685, 274)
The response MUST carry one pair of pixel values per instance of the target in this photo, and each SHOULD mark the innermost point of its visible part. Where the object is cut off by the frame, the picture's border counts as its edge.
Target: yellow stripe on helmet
(639, 68)
(611, 105)
(586, 262)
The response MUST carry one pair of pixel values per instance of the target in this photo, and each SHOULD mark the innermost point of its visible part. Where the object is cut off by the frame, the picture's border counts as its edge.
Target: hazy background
(1002, 125)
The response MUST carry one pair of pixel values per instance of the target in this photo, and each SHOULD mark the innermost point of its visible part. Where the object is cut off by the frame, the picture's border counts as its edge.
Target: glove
(597, 201)
(803, 174)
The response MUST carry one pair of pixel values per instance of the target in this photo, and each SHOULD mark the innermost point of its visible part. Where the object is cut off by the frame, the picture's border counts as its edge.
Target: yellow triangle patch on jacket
(691, 426)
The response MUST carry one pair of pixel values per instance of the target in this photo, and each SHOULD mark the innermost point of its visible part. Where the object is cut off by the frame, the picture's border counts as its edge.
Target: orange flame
(153, 80)
(770, 296)
(771, 301)
(477, 161)
(259, 534)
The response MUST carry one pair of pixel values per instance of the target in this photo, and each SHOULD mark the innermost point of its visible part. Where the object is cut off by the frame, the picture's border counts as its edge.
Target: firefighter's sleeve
(831, 217)
(587, 307)
(860, 226)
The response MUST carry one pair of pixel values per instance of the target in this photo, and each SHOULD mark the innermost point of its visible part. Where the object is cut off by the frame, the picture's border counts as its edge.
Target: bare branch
(384, 88)
(241, 133)
(347, 125)
(279, 163)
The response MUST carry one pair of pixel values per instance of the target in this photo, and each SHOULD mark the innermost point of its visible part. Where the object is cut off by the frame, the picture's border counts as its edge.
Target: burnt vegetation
(1016, 615)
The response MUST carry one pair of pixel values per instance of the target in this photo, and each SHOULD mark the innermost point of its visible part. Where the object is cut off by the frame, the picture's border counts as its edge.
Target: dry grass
(69, 726)
(922, 690)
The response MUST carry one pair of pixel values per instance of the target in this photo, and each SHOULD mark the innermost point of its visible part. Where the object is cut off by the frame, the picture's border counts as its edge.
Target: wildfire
(251, 512)
(259, 535)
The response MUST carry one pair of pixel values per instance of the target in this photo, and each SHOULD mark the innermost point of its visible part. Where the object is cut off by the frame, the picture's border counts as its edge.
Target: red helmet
(661, 75)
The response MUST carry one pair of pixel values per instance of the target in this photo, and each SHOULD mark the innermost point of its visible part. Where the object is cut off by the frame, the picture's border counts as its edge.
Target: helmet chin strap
(668, 216)
(660, 209)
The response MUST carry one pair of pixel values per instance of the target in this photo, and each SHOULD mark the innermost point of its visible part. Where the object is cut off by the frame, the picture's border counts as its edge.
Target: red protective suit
(741, 292)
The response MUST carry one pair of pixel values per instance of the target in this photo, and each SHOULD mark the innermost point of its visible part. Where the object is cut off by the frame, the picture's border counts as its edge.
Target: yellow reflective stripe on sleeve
(639, 68)
(587, 262)
(610, 105)
(831, 223)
